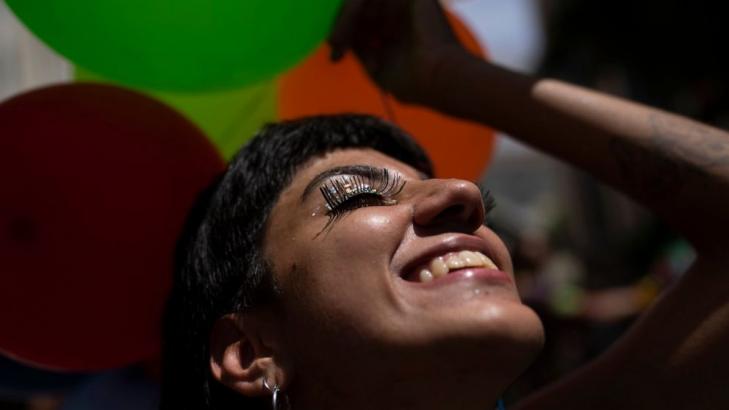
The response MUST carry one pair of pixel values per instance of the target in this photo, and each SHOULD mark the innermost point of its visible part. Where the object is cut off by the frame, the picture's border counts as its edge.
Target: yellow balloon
(229, 118)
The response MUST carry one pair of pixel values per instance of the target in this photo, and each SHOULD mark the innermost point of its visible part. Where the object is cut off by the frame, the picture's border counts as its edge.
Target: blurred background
(588, 259)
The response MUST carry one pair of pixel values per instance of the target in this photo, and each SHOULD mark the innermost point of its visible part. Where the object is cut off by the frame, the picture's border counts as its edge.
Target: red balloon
(95, 185)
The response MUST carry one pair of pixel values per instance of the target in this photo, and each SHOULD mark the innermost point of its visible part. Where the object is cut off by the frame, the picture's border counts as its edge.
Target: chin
(499, 339)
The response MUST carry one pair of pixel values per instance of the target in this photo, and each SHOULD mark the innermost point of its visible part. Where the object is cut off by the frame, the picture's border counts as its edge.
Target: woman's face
(376, 292)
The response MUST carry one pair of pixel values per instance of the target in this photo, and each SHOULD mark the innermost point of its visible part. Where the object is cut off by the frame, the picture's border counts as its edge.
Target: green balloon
(181, 45)
(228, 118)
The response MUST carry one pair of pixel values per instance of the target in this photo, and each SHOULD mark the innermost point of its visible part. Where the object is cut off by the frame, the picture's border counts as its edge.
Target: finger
(367, 40)
(377, 59)
(432, 16)
(340, 38)
(395, 20)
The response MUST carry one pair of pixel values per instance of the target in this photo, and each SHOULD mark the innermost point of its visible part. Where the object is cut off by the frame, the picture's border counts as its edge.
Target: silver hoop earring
(279, 401)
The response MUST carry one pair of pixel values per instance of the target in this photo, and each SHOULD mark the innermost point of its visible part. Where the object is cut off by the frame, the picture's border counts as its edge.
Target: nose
(449, 204)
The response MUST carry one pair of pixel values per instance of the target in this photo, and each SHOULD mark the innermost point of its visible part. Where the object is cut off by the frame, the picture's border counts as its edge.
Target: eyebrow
(362, 170)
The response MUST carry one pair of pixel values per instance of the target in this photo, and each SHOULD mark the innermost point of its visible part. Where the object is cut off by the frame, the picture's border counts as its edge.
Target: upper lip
(450, 244)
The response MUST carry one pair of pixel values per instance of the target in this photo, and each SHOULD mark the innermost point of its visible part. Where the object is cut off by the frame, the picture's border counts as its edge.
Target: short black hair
(219, 268)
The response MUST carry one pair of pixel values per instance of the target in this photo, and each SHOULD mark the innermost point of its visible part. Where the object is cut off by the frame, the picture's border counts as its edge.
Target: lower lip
(479, 274)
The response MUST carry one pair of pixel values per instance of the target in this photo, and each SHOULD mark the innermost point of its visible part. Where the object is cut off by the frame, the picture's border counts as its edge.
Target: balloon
(229, 118)
(95, 185)
(184, 44)
(459, 149)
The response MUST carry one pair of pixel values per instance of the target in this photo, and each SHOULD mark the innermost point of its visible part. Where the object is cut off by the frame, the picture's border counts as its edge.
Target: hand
(401, 43)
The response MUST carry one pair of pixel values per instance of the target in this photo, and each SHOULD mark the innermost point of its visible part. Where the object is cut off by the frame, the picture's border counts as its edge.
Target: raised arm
(676, 355)
(677, 167)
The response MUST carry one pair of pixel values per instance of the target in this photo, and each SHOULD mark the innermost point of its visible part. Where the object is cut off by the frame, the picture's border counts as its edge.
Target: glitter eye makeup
(374, 187)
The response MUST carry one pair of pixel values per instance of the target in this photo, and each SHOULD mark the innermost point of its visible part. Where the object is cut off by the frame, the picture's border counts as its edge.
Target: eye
(361, 201)
(346, 193)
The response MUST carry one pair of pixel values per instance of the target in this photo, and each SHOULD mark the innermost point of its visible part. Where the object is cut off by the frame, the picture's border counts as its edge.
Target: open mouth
(443, 265)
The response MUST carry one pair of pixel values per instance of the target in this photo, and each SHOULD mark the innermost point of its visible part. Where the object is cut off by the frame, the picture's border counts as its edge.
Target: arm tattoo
(696, 144)
(676, 153)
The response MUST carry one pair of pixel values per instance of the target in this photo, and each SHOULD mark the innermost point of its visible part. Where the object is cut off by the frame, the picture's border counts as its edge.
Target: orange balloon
(458, 148)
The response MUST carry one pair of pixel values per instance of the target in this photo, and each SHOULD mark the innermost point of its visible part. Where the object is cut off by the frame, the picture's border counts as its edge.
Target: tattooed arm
(676, 355)
(677, 167)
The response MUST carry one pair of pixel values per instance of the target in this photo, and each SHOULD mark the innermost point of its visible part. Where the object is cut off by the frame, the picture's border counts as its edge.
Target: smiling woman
(349, 296)
(281, 272)
(327, 269)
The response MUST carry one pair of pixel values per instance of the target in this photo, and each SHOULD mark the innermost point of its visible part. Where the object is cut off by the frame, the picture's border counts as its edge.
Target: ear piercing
(279, 401)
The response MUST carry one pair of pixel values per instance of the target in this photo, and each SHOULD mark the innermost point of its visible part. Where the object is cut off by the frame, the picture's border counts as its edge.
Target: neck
(456, 391)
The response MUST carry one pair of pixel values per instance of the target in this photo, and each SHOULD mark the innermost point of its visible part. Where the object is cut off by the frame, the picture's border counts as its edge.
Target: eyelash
(489, 202)
(345, 194)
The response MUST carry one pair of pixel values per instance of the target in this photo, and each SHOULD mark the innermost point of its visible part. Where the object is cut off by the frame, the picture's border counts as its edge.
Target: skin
(675, 355)
(343, 295)
(460, 355)
(348, 323)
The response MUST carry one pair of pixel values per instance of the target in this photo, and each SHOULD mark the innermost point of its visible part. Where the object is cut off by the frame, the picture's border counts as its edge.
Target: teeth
(488, 262)
(455, 262)
(440, 266)
(470, 258)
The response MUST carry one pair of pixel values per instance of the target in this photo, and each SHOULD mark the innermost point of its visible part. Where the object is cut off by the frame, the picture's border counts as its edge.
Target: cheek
(369, 234)
(363, 240)
(344, 275)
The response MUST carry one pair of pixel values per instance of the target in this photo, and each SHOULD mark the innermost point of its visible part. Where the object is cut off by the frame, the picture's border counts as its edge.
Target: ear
(244, 350)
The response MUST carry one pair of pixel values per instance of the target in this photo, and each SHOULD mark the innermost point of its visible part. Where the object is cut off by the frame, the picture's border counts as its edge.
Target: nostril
(449, 205)
(453, 212)
(457, 217)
